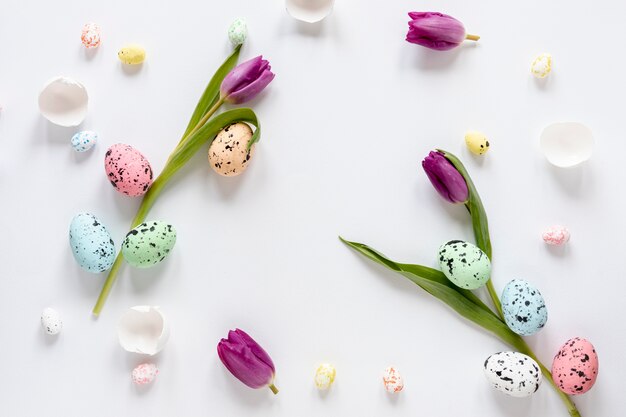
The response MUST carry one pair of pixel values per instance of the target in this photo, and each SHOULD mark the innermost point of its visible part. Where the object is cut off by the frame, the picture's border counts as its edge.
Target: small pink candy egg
(128, 170)
(575, 366)
(556, 235)
(90, 35)
(144, 373)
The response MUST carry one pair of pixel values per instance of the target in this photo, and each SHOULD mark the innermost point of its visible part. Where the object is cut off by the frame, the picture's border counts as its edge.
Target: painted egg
(83, 141)
(325, 376)
(513, 373)
(90, 35)
(91, 243)
(575, 367)
(148, 244)
(51, 321)
(128, 170)
(392, 380)
(477, 143)
(541, 66)
(132, 54)
(228, 153)
(464, 264)
(144, 373)
(556, 235)
(523, 307)
(238, 31)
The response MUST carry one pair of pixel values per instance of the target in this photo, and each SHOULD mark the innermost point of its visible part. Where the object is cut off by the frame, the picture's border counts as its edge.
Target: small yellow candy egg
(325, 376)
(229, 154)
(476, 142)
(541, 66)
(132, 54)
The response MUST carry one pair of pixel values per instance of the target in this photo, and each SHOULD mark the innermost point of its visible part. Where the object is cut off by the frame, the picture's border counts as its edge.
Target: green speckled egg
(148, 244)
(464, 264)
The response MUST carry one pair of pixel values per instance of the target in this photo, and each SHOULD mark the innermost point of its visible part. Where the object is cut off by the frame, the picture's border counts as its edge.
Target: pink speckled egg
(556, 235)
(128, 170)
(144, 373)
(575, 367)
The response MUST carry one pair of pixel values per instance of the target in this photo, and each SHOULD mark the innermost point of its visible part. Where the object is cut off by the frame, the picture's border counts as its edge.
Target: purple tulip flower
(246, 360)
(436, 31)
(446, 179)
(246, 80)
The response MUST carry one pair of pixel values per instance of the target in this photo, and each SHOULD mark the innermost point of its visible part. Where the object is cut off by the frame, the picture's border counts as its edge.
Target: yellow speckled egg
(476, 142)
(541, 66)
(228, 154)
(132, 54)
(325, 376)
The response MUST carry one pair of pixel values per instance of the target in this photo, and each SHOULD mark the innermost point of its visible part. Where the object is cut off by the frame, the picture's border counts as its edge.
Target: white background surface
(346, 122)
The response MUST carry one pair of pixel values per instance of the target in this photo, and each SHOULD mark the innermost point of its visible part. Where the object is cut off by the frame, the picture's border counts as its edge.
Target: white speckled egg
(83, 141)
(392, 380)
(513, 373)
(144, 373)
(238, 31)
(524, 308)
(51, 321)
(228, 154)
(541, 66)
(464, 264)
(91, 243)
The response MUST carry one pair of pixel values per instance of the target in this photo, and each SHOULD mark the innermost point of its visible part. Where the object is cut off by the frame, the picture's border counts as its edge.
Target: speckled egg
(541, 66)
(91, 243)
(524, 308)
(477, 143)
(132, 54)
(83, 141)
(575, 366)
(144, 373)
(325, 376)
(238, 31)
(464, 264)
(148, 244)
(128, 170)
(513, 373)
(228, 154)
(392, 380)
(51, 321)
(90, 35)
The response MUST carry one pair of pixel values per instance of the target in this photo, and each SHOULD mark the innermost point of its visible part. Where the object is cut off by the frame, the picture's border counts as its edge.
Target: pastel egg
(148, 244)
(229, 154)
(51, 321)
(523, 307)
(575, 366)
(132, 54)
(83, 141)
(392, 380)
(144, 373)
(128, 170)
(90, 35)
(541, 66)
(477, 143)
(238, 31)
(513, 373)
(464, 264)
(91, 243)
(556, 235)
(325, 376)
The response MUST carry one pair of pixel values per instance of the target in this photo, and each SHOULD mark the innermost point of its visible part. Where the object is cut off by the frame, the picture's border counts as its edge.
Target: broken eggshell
(567, 144)
(143, 329)
(309, 11)
(63, 101)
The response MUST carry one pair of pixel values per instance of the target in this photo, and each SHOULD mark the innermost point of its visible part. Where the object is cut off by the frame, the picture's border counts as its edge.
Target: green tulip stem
(494, 298)
(472, 37)
(274, 389)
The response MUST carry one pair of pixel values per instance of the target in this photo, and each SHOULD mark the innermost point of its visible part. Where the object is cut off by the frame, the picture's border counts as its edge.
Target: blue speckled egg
(85, 140)
(148, 244)
(464, 264)
(524, 309)
(91, 243)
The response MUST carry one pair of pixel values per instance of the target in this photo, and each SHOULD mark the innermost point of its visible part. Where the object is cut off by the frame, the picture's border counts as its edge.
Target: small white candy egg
(83, 141)
(392, 380)
(51, 321)
(144, 373)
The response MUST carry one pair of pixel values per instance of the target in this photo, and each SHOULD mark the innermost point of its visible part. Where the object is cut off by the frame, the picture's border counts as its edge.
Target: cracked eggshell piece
(325, 376)
(145, 373)
(63, 101)
(51, 321)
(143, 329)
(309, 11)
(567, 144)
(541, 66)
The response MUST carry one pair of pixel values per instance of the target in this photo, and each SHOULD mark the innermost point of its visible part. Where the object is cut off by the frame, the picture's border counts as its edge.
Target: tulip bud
(247, 360)
(436, 31)
(246, 80)
(446, 179)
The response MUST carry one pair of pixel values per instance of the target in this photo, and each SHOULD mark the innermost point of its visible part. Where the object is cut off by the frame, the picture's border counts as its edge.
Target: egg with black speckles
(513, 373)
(128, 170)
(466, 265)
(51, 321)
(229, 154)
(148, 244)
(91, 243)
(575, 366)
(523, 307)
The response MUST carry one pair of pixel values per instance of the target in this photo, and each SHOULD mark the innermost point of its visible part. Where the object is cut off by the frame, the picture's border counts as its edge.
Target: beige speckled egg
(228, 154)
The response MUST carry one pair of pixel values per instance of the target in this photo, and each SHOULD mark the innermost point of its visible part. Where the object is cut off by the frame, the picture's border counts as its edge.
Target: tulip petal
(241, 75)
(239, 352)
(256, 349)
(435, 30)
(252, 89)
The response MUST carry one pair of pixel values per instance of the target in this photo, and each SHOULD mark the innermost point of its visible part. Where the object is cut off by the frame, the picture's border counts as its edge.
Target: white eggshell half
(63, 101)
(143, 329)
(567, 144)
(309, 11)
